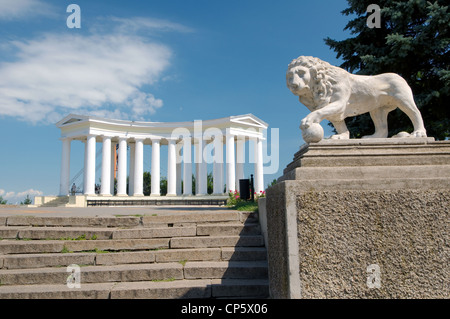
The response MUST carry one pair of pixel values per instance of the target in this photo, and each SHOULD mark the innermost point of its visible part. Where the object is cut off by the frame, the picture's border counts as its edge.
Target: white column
(132, 147)
(178, 175)
(89, 169)
(156, 167)
(65, 168)
(218, 166)
(259, 173)
(113, 160)
(231, 170)
(139, 168)
(202, 169)
(171, 169)
(197, 159)
(187, 171)
(122, 168)
(240, 159)
(106, 167)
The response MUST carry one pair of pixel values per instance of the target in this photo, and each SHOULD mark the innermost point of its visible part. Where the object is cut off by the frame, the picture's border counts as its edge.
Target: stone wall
(404, 232)
(342, 206)
(341, 232)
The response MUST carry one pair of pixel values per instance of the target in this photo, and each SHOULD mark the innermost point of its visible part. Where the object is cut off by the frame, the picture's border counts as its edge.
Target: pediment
(249, 120)
(69, 119)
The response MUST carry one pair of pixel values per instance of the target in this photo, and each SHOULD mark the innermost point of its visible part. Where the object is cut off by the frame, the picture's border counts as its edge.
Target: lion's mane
(324, 77)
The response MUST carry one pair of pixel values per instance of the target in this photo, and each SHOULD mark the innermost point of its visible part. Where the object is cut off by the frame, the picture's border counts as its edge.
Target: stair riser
(228, 230)
(59, 276)
(154, 232)
(225, 273)
(42, 260)
(143, 290)
(50, 233)
(226, 241)
(63, 234)
(29, 261)
(33, 247)
(73, 221)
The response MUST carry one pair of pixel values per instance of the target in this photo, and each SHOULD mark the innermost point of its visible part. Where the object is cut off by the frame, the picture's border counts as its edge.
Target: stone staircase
(218, 254)
(59, 201)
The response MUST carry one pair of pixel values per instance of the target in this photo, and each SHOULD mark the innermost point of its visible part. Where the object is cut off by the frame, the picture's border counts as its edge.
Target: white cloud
(124, 25)
(15, 198)
(21, 9)
(97, 74)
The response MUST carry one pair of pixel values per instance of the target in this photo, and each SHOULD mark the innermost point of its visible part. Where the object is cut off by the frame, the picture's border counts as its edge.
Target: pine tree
(413, 41)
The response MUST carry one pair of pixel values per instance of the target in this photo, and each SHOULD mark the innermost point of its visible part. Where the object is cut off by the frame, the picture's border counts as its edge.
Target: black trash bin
(244, 187)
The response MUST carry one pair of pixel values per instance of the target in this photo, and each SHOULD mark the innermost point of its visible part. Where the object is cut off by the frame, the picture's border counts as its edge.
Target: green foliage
(147, 183)
(210, 183)
(414, 42)
(3, 201)
(27, 201)
(274, 181)
(235, 202)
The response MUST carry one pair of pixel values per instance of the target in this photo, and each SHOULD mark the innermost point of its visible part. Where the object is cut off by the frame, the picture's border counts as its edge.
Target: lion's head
(312, 79)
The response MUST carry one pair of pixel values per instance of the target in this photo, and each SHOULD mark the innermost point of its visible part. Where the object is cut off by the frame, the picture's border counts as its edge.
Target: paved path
(106, 211)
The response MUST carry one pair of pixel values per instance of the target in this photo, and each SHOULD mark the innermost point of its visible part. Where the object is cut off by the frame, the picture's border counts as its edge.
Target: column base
(105, 195)
(171, 195)
(155, 195)
(122, 195)
(138, 195)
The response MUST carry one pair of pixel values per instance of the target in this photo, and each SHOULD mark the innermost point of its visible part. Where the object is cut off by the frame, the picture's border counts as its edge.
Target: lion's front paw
(304, 124)
(419, 133)
(311, 119)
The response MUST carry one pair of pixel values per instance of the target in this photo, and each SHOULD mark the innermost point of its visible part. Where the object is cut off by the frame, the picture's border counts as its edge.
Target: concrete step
(205, 288)
(159, 232)
(194, 217)
(93, 274)
(58, 246)
(139, 272)
(131, 221)
(216, 241)
(125, 221)
(229, 229)
(226, 270)
(24, 261)
(59, 201)
(68, 233)
(64, 233)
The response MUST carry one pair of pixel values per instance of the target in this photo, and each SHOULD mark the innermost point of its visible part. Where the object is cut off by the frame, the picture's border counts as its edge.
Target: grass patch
(164, 280)
(65, 250)
(183, 262)
(97, 251)
(245, 206)
(81, 237)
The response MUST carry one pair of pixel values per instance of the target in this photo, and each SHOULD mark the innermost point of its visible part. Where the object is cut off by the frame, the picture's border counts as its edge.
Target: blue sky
(148, 60)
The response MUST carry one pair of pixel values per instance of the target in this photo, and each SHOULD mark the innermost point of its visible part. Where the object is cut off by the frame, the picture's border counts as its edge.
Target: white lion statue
(334, 94)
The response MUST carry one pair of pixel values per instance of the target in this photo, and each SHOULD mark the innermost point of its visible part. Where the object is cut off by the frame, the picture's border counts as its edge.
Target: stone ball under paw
(313, 134)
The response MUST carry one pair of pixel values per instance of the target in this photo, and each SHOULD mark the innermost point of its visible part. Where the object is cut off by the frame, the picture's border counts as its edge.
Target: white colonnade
(128, 159)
